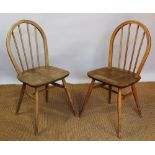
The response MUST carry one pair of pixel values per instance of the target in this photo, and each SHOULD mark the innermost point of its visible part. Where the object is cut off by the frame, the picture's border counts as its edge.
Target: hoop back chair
(126, 71)
(29, 69)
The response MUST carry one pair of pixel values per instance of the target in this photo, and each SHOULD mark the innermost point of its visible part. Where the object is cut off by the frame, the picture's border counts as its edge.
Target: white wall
(77, 42)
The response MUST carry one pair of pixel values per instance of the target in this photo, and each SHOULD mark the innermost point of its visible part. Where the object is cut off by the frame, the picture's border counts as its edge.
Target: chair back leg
(68, 95)
(109, 99)
(134, 91)
(36, 110)
(87, 96)
(119, 110)
(21, 97)
(46, 93)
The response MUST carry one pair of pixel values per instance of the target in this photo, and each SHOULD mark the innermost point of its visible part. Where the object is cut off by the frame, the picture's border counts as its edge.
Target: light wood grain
(148, 43)
(133, 49)
(21, 97)
(120, 48)
(36, 110)
(110, 93)
(18, 53)
(141, 43)
(31, 75)
(121, 77)
(119, 111)
(30, 45)
(10, 51)
(134, 91)
(127, 46)
(87, 96)
(37, 48)
(23, 47)
(68, 95)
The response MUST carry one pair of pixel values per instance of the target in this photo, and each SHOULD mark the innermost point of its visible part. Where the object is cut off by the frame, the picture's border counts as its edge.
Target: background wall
(77, 42)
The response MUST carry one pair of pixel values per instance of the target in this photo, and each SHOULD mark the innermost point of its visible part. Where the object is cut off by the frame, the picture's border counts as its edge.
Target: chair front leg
(68, 95)
(87, 96)
(119, 110)
(46, 93)
(109, 98)
(134, 91)
(36, 111)
(21, 97)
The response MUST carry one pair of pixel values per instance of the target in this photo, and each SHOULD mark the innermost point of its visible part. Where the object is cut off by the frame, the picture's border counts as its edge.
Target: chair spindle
(37, 48)
(141, 43)
(133, 49)
(21, 38)
(120, 48)
(127, 46)
(30, 46)
(18, 53)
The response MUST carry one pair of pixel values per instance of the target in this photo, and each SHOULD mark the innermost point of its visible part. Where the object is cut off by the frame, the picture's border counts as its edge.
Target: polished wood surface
(129, 65)
(42, 75)
(114, 76)
(30, 73)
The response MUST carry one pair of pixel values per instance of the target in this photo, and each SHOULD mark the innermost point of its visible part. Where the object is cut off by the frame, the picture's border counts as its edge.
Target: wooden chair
(29, 68)
(126, 72)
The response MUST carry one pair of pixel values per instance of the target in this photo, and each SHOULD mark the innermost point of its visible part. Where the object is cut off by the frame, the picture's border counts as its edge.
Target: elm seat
(114, 76)
(42, 75)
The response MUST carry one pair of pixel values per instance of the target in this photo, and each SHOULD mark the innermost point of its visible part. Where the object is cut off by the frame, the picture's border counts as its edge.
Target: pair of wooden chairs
(38, 74)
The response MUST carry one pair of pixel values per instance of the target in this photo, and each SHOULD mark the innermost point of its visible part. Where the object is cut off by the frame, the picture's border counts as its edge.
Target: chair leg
(134, 91)
(109, 99)
(87, 96)
(21, 97)
(46, 91)
(119, 110)
(68, 95)
(36, 110)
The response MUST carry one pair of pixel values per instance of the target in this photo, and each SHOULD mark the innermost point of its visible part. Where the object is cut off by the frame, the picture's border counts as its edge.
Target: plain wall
(76, 42)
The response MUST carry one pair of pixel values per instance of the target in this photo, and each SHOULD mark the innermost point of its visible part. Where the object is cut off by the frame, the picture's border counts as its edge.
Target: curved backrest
(21, 35)
(129, 56)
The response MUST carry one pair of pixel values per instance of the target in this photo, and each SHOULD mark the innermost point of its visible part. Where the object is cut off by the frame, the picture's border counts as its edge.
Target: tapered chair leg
(87, 96)
(119, 110)
(36, 111)
(21, 97)
(134, 91)
(109, 98)
(46, 93)
(68, 95)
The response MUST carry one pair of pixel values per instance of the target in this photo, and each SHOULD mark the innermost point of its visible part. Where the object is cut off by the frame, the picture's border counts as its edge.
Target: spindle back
(130, 60)
(21, 34)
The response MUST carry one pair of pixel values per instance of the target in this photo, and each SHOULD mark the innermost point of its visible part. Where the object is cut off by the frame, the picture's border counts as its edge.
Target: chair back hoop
(20, 67)
(132, 61)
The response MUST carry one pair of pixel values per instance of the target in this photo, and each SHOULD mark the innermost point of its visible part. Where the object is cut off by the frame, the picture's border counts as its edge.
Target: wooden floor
(99, 121)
